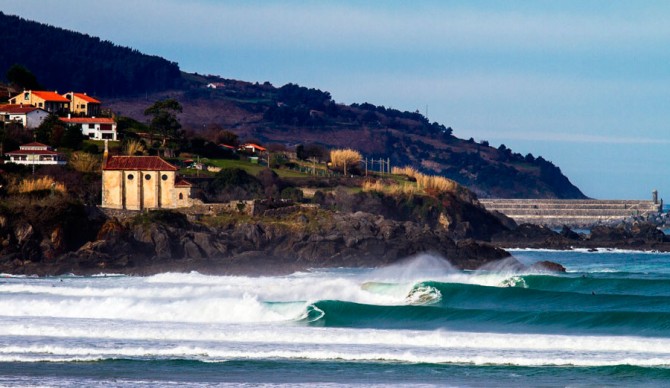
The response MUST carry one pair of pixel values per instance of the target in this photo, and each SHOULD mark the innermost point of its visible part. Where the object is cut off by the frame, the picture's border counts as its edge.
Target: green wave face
(530, 303)
(599, 284)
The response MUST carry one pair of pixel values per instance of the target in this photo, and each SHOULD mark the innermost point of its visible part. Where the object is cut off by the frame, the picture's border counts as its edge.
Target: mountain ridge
(289, 114)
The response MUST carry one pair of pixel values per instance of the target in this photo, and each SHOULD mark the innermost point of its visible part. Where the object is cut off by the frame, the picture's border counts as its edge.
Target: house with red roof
(51, 102)
(142, 182)
(83, 104)
(26, 115)
(252, 148)
(36, 154)
(96, 128)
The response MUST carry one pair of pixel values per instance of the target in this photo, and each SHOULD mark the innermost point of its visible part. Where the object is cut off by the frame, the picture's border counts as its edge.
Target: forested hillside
(290, 115)
(65, 60)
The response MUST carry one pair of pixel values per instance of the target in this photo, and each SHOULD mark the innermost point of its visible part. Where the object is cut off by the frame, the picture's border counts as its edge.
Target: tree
(72, 137)
(164, 121)
(22, 78)
(347, 160)
(228, 138)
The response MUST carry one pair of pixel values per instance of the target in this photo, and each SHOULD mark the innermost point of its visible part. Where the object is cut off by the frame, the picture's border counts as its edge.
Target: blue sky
(585, 84)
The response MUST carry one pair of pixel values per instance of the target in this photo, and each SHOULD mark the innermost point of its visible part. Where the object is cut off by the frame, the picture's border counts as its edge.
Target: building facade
(83, 104)
(100, 128)
(51, 102)
(26, 115)
(143, 182)
(36, 154)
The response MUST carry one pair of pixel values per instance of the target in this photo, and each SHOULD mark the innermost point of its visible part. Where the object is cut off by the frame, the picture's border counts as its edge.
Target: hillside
(131, 81)
(293, 115)
(66, 60)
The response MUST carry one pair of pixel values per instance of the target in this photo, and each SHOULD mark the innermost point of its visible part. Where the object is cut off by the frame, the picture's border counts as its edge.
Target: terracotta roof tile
(86, 98)
(146, 163)
(32, 152)
(49, 96)
(183, 183)
(34, 144)
(87, 120)
(17, 108)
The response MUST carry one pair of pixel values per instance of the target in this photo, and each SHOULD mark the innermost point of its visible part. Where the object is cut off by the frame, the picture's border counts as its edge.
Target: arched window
(181, 196)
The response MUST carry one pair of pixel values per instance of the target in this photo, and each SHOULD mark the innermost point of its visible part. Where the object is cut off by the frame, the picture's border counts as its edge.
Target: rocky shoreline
(639, 236)
(283, 244)
(59, 237)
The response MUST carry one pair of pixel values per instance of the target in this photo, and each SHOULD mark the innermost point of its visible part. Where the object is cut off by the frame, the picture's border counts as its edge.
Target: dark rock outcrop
(637, 236)
(267, 245)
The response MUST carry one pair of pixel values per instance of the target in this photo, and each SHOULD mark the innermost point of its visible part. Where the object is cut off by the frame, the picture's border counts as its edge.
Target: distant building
(36, 154)
(83, 104)
(252, 148)
(100, 128)
(143, 182)
(51, 102)
(215, 85)
(26, 115)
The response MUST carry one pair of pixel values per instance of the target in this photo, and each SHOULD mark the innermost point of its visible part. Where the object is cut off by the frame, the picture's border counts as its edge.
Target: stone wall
(574, 213)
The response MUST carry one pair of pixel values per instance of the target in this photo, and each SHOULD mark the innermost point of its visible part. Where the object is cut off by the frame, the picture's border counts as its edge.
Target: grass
(293, 221)
(253, 168)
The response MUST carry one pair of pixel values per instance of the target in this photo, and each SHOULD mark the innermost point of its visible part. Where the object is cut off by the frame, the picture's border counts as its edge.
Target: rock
(569, 234)
(23, 231)
(547, 266)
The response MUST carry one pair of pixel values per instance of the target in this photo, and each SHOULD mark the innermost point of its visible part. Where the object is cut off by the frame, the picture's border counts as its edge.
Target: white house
(96, 128)
(36, 154)
(26, 115)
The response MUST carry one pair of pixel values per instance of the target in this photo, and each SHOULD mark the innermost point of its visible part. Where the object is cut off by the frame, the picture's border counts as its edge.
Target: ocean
(606, 322)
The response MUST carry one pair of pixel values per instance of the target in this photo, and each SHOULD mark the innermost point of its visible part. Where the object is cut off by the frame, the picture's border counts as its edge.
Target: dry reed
(134, 147)
(85, 162)
(30, 185)
(429, 183)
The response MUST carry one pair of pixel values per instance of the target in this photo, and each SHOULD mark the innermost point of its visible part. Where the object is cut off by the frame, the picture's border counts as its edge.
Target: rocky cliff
(164, 241)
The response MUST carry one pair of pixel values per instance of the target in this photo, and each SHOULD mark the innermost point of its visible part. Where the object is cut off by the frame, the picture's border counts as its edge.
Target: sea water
(606, 322)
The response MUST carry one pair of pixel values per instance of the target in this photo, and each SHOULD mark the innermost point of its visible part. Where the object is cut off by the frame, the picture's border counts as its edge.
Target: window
(181, 196)
(164, 177)
(147, 177)
(131, 177)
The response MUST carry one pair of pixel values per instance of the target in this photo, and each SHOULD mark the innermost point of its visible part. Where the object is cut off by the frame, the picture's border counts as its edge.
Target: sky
(585, 84)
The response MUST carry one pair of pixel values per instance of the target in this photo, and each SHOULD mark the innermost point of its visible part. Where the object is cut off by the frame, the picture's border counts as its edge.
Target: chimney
(105, 155)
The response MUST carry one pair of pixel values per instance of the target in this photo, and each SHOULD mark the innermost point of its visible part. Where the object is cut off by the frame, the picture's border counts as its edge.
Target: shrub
(345, 159)
(134, 147)
(45, 183)
(85, 162)
(429, 183)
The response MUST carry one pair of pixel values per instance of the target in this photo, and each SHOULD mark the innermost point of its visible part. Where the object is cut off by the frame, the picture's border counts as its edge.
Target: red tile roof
(86, 98)
(35, 144)
(17, 108)
(32, 152)
(256, 146)
(183, 183)
(49, 96)
(87, 120)
(146, 163)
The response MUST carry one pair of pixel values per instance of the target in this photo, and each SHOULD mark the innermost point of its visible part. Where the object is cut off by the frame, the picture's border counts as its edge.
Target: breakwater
(573, 213)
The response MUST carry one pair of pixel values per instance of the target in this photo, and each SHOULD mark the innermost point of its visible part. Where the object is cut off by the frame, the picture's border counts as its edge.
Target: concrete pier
(574, 213)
